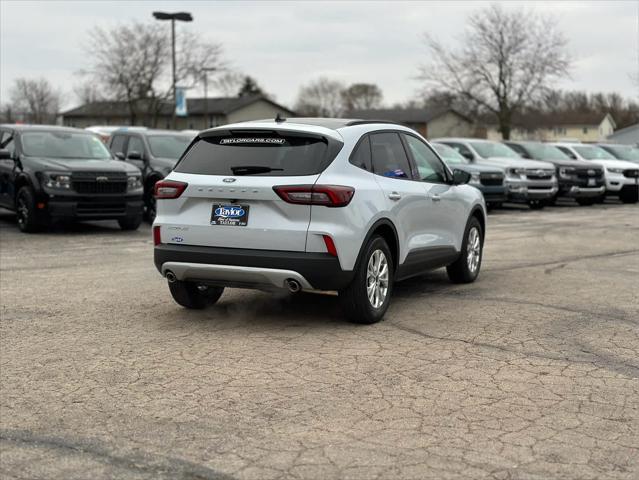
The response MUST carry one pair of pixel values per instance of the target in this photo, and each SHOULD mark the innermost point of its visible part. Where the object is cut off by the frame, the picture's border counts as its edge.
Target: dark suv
(577, 179)
(54, 173)
(154, 152)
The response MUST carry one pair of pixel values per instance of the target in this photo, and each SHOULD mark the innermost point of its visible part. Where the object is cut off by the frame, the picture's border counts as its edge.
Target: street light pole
(183, 17)
(206, 70)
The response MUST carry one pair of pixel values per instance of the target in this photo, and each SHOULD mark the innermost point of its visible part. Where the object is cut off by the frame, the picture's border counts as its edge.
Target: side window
(388, 155)
(361, 157)
(429, 167)
(7, 143)
(567, 152)
(135, 145)
(117, 144)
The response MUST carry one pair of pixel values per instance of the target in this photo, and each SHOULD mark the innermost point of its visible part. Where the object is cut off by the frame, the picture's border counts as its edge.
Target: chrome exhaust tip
(293, 285)
(170, 276)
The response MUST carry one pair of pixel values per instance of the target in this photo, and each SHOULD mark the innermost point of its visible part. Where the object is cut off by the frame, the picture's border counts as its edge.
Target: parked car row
(50, 174)
(539, 173)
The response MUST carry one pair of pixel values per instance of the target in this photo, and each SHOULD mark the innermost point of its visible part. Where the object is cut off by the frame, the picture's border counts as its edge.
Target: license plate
(592, 182)
(230, 215)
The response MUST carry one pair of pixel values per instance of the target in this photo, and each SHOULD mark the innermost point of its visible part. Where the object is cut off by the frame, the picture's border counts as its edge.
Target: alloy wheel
(377, 277)
(22, 210)
(473, 253)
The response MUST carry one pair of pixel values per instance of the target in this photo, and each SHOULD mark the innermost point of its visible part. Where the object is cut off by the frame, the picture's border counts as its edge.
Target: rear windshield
(258, 154)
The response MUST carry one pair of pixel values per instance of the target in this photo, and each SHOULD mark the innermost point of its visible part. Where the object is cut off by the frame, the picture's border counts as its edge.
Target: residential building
(572, 126)
(430, 122)
(626, 136)
(220, 111)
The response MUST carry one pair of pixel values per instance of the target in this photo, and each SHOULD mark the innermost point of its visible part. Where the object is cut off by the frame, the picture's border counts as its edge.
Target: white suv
(314, 204)
(622, 177)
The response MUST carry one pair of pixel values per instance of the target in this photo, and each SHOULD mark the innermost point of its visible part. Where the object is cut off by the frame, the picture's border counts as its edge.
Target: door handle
(436, 198)
(394, 196)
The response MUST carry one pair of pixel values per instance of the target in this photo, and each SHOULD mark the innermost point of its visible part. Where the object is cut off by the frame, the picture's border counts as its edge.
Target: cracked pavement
(532, 372)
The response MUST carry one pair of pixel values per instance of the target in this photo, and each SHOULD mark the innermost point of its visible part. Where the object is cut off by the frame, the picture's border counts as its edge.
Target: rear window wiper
(253, 169)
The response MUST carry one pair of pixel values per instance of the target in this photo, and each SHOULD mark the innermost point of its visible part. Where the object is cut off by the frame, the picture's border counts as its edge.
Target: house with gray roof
(202, 113)
(430, 122)
(626, 136)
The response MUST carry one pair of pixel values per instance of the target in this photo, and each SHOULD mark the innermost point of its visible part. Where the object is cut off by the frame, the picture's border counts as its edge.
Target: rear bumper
(248, 268)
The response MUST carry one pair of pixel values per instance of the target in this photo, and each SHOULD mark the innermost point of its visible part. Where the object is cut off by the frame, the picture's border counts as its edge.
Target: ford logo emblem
(101, 179)
(228, 180)
(177, 239)
(229, 212)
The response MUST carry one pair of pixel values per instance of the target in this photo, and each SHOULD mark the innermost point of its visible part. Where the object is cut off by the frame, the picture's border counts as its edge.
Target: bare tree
(361, 96)
(132, 63)
(249, 87)
(507, 60)
(321, 98)
(36, 99)
(228, 83)
(88, 92)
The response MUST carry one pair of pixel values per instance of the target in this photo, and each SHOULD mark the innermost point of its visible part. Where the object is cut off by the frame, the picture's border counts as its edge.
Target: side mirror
(119, 155)
(5, 155)
(468, 156)
(460, 177)
(134, 155)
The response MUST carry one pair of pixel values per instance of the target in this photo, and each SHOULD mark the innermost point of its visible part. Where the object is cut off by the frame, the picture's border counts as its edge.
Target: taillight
(157, 237)
(169, 189)
(327, 195)
(330, 245)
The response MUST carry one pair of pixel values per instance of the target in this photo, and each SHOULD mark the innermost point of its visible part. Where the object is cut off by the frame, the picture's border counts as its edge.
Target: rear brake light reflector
(330, 245)
(157, 237)
(327, 195)
(169, 189)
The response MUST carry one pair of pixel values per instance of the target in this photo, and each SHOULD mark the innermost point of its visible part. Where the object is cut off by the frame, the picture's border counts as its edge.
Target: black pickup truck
(49, 174)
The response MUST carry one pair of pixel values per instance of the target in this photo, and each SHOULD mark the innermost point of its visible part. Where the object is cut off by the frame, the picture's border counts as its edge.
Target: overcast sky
(285, 44)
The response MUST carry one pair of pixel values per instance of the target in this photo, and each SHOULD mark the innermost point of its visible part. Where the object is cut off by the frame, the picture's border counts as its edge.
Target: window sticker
(244, 140)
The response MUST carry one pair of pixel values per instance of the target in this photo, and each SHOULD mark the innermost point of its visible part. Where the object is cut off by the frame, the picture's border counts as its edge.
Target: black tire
(629, 196)
(150, 203)
(586, 202)
(193, 295)
(600, 199)
(130, 223)
(552, 201)
(536, 204)
(460, 271)
(354, 299)
(26, 212)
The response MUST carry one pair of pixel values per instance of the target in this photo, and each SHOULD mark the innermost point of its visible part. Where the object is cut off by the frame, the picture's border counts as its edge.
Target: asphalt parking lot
(532, 372)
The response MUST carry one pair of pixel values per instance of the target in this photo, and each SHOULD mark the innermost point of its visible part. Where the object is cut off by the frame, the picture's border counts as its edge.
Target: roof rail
(366, 122)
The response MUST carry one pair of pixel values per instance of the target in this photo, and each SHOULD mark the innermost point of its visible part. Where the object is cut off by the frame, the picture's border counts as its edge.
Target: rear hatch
(230, 200)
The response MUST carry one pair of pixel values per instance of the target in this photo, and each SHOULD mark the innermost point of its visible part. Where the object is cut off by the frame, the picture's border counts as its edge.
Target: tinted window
(361, 157)
(258, 154)
(135, 145)
(117, 144)
(7, 143)
(543, 151)
(389, 157)
(61, 144)
(168, 146)
(429, 167)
